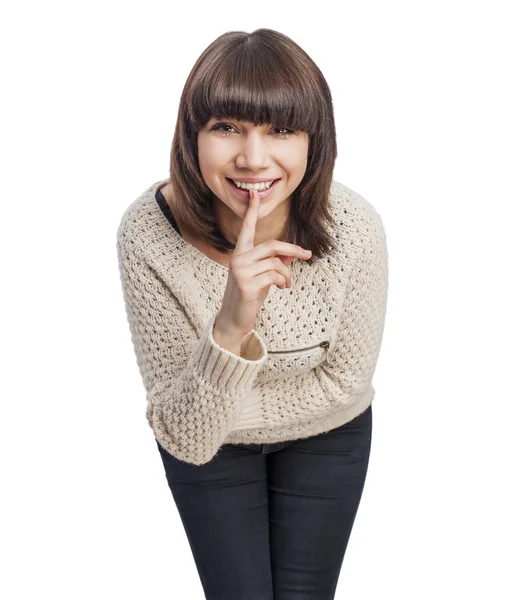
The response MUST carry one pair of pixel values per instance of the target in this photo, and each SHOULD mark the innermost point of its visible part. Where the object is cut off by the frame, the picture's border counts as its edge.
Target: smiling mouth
(246, 189)
(244, 192)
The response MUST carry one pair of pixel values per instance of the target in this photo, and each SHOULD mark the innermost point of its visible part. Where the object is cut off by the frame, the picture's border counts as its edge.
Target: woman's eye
(220, 127)
(289, 131)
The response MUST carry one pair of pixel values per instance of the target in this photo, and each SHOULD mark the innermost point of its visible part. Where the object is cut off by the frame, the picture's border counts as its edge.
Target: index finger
(246, 237)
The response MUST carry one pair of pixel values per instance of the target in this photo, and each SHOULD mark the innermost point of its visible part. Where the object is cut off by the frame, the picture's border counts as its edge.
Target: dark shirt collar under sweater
(164, 207)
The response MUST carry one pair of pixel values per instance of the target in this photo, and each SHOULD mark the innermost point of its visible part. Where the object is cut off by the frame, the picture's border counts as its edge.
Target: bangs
(256, 85)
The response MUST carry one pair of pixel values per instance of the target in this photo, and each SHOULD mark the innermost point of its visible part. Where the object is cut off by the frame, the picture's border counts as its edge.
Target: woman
(257, 356)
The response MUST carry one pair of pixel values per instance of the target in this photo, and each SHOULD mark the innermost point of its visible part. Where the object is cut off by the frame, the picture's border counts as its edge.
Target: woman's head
(255, 106)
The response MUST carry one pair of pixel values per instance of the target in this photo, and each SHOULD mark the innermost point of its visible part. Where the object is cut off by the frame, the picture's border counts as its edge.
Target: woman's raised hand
(252, 270)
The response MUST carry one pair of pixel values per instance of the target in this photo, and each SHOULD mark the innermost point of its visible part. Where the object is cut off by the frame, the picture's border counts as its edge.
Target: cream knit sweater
(305, 368)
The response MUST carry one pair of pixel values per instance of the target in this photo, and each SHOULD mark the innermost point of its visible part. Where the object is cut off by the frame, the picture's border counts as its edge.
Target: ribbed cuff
(226, 369)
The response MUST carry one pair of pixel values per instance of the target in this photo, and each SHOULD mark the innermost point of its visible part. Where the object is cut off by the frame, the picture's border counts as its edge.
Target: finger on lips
(305, 252)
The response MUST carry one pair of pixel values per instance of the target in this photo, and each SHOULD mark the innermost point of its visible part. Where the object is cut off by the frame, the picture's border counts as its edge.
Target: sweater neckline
(166, 211)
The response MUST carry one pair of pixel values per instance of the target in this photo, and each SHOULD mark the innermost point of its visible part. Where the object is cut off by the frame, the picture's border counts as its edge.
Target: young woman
(255, 288)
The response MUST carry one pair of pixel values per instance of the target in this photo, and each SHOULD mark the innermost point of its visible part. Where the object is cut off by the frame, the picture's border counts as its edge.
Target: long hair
(261, 77)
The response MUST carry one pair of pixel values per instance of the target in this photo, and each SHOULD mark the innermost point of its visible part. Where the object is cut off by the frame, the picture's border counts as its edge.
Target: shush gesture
(252, 271)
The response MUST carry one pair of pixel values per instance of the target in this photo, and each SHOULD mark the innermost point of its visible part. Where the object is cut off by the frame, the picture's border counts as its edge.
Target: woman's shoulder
(141, 220)
(356, 217)
(346, 198)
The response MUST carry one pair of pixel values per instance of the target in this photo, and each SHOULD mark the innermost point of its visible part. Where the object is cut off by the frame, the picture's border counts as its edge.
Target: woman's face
(230, 149)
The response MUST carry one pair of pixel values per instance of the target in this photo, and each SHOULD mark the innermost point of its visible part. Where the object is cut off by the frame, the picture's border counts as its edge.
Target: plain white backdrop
(428, 101)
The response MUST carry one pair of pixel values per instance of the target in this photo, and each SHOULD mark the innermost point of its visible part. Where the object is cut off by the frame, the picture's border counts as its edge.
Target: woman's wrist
(227, 339)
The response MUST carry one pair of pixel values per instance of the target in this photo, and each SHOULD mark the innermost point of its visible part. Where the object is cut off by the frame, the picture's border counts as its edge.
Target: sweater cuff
(226, 369)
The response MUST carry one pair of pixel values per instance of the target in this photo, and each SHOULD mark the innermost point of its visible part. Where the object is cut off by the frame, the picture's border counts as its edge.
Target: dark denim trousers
(272, 521)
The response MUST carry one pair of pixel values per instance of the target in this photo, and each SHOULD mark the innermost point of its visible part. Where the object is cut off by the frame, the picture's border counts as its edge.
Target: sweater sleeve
(194, 386)
(349, 371)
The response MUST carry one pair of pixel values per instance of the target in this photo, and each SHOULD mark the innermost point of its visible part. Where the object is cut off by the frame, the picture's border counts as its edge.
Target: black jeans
(272, 521)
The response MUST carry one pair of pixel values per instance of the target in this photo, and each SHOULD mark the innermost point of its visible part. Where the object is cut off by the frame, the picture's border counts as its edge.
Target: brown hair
(263, 78)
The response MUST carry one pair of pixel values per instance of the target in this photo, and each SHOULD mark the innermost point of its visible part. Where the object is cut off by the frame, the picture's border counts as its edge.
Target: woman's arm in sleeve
(194, 386)
(351, 362)
(351, 366)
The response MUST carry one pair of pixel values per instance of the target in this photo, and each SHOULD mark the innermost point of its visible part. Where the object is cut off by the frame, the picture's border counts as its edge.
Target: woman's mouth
(245, 193)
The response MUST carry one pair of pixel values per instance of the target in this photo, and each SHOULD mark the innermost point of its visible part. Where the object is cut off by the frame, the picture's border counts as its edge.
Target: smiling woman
(255, 107)
(256, 358)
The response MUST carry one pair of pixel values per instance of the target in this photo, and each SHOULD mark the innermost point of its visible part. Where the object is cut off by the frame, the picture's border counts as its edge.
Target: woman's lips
(245, 193)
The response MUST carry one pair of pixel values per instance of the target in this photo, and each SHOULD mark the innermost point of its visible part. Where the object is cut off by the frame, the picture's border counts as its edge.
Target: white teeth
(257, 186)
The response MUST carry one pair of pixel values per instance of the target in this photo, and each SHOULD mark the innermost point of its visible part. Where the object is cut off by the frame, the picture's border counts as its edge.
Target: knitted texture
(306, 366)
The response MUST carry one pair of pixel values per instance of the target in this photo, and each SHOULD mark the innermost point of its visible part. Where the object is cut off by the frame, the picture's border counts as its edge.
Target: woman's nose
(253, 153)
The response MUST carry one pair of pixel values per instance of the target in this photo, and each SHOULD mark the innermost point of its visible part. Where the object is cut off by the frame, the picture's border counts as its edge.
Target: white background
(428, 103)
